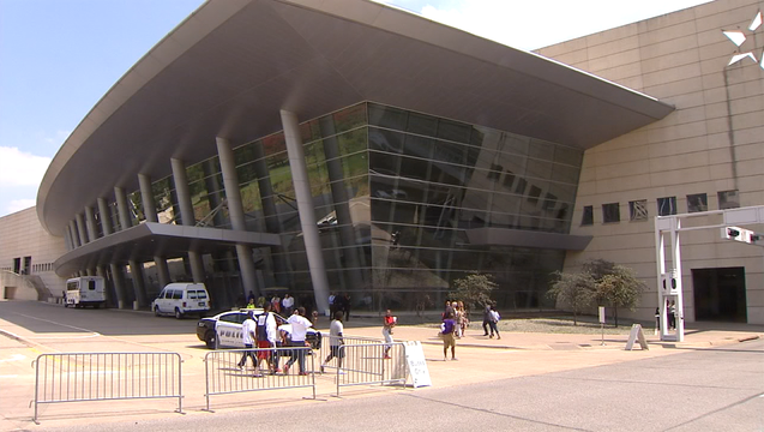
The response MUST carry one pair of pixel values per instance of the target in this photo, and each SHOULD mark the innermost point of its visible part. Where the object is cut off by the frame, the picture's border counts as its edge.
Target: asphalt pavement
(31, 328)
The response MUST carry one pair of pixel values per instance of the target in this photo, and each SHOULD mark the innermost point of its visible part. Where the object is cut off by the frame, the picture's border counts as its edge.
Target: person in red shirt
(387, 331)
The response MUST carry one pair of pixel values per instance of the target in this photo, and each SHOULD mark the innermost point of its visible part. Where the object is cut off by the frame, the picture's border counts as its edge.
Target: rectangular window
(509, 178)
(588, 216)
(534, 194)
(495, 172)
(611, 213)
(638, 210)
(521, 185)
(728, 199)
(666, 206)
(697, 203)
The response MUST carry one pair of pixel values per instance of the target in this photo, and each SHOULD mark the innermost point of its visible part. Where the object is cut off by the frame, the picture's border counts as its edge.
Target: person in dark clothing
(487, 320)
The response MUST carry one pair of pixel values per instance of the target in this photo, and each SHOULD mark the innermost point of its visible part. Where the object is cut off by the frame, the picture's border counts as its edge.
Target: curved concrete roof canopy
(231, 66)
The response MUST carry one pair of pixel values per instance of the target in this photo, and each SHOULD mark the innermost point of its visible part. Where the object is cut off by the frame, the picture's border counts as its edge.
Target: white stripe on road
(15, 357)
(93, 334)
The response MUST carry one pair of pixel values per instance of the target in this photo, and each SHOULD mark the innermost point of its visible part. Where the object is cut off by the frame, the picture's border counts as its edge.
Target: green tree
(619, 288)
(576, 290)
(474, 290)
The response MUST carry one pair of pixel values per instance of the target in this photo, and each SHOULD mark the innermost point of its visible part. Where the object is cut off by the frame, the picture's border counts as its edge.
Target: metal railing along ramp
(89, 377)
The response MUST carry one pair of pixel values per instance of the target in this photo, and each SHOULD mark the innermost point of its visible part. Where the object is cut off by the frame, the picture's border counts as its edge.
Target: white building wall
(681, 58)
(21, 235)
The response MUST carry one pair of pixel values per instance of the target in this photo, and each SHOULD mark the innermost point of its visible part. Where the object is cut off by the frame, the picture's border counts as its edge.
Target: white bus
(85, 291)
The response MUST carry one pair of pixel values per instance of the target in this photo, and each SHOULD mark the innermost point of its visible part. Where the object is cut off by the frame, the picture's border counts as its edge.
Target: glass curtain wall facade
(395, 193)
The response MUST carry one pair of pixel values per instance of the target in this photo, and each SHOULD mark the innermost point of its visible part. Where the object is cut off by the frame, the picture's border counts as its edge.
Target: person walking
(266, 338)
(248, 338)
(300, 326)
(487, 320)
(447, 329)
(387, 331)
(335, 342)
(494, 322)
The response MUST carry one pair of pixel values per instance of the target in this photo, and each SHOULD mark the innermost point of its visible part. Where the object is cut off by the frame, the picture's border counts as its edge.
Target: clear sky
(58, 57)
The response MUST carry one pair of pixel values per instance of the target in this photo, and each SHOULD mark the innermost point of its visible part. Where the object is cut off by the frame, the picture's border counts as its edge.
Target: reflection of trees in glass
(350, 118)
(250, 198)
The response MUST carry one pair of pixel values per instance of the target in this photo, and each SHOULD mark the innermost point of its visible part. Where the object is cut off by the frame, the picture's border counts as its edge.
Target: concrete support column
(163, 271)
(305, 207)
(147, 198)
(68, 239)
(236, 214)
(103, 212)
(118, 275)
(101, 271)
(90, 272)
(91, 223)
(182, 192)
(81, 230)
(150, 211)
(124, 213)
(139, 284)
(75, 234)
(186, 214)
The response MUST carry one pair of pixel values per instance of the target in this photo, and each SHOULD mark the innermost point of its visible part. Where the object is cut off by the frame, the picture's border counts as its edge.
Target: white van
(85, 291)
(181, 298)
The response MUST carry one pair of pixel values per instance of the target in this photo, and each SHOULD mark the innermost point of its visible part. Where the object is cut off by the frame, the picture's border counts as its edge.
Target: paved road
(583, 389)
(705, 390)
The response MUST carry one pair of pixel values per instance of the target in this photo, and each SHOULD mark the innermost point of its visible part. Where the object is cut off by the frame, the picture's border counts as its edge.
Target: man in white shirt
(335, 342)
(287, 304)
(248, 338)
(300, 326)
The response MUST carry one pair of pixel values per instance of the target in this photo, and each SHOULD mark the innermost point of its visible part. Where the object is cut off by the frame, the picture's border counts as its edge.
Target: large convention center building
(317, 147)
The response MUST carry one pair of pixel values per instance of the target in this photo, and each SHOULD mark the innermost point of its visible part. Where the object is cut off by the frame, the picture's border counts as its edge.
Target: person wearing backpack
(266, 337)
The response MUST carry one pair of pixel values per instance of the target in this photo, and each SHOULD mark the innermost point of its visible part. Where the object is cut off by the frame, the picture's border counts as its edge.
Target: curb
(20, 339)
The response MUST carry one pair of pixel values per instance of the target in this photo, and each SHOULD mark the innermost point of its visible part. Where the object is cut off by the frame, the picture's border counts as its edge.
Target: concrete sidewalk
(480, 359)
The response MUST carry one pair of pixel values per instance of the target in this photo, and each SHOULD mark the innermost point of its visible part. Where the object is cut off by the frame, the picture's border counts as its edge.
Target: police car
(224, 329)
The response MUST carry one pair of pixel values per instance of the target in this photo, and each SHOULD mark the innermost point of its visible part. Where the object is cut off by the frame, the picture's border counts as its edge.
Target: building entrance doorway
(719, 294)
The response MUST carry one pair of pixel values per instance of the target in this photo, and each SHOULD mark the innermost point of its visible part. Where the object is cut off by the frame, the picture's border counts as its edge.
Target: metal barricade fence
(327, 341)
(84, 377)
(367, 363)
(224, 376)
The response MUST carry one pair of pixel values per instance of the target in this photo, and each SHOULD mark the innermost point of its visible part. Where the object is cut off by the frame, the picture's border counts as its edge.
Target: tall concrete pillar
(124, 213)
(147, 198)
(91, 223)
(118, 275)
(236, 213)
(69, 238)
(139, 284)
(150, 212)
(305, 207)
(101, 271)
(75, 233)
(81, 230)
(186, 214)
(163, 271)
(103, 213)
